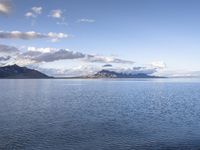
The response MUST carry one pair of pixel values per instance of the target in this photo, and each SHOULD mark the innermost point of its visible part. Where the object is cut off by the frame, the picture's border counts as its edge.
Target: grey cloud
(31, 54)
(106, 59)
(8, 49)
(91, 70)
(62, 54)
(117, 60)
(31, 35)
(38, 55)
(5, 58)
(52, 56)
(107, 65)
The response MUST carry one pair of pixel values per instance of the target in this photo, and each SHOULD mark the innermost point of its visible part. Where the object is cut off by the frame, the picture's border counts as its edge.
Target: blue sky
(143, 31)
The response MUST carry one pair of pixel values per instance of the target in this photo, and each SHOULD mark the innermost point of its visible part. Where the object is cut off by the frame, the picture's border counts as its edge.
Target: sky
(80, 37)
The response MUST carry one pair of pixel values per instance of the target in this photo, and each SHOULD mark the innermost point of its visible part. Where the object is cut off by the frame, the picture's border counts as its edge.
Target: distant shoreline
(79, 78)
(56, 78)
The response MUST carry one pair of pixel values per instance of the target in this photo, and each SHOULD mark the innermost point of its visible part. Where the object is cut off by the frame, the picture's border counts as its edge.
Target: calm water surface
(158, 114)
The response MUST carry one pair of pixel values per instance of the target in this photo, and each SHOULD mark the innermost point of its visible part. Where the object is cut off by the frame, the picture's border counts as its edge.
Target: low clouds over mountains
(90, 63)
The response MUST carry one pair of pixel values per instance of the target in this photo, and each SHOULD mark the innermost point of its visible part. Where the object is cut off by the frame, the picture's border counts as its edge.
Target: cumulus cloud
(89, 70)
(30, 14)
(5, 7)
(37, 55)
(75, 71)
(37, 10)
(52, 54)
(57, 13)
(31, 35)
(85, 20)
(90, 64)
(81, 70)
(57, 36)
(134, 70)
(141, 70)
(34, 12)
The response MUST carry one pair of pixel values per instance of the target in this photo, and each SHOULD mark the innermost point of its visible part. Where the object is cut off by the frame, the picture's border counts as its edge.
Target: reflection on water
(129, 114)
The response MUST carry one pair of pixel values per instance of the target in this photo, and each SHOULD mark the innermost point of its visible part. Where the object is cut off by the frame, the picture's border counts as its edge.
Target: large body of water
(157, 114)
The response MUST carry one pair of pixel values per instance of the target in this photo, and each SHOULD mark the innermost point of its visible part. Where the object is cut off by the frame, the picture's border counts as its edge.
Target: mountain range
(113, 74)
(17, 72)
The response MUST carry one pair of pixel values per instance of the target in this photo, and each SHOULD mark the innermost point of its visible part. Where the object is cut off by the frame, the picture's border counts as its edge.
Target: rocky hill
(17, 72)
(113, 74)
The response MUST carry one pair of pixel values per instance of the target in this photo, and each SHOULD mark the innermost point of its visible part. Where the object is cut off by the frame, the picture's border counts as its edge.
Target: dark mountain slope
(113, 74)
(17, 72)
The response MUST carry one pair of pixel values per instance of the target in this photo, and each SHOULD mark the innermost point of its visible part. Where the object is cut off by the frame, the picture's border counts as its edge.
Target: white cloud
(53, 54)
(56, 36)
(80, 70)
(56, 14)
(140, 70)
(80, 63)
(43, 50)
(106, 59)
(91, 69)
(30, 14)
(34, 12)
(158, 64)
(85, 20)
(5, 6)
(37, 55)
(30, 35)
(37, 10)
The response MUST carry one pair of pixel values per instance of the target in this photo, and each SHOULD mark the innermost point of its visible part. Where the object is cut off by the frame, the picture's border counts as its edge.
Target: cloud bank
(61, 54)
(5, 58)
(52, 54)
(30, 35)
(103, 59)
(87, 64)
(4, 49)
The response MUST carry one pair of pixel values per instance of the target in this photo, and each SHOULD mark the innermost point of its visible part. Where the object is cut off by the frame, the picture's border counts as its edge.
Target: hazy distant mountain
(17, 72)
(113, 74)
